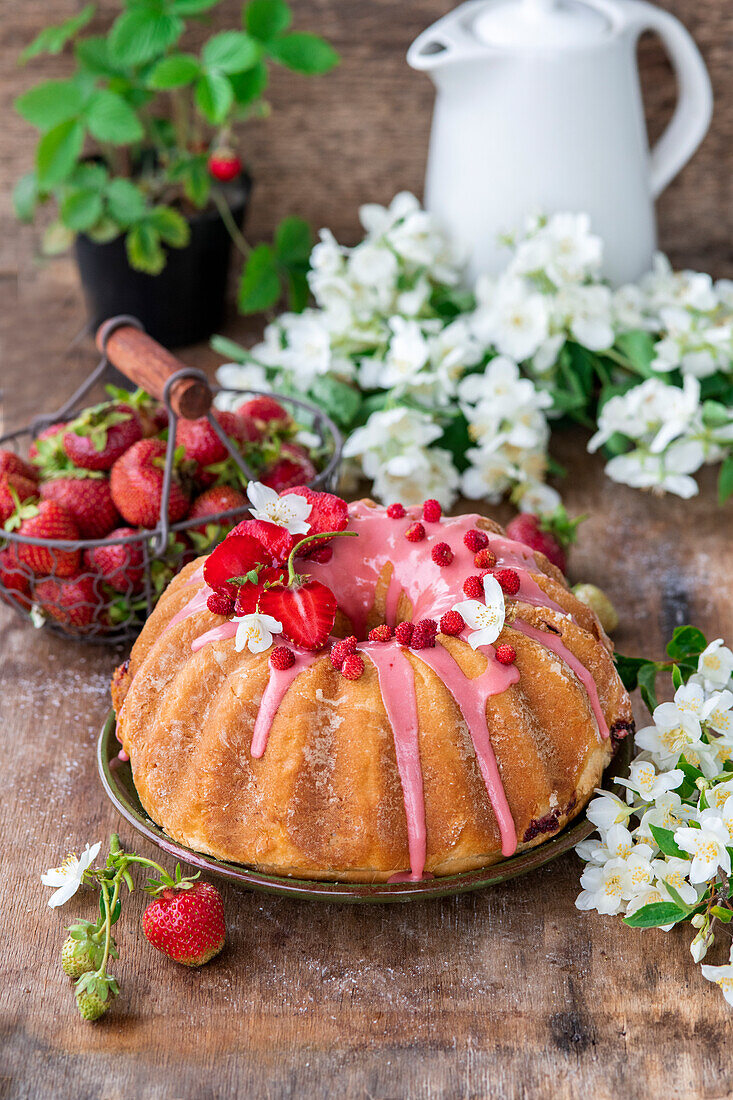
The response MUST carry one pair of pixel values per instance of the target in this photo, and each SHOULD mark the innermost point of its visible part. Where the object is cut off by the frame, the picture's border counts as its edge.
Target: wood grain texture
(510, 993)
(149, 365)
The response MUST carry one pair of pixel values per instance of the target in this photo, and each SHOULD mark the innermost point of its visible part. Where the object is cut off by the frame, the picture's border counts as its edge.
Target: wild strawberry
(137, 485)
(353, 666)
(14, 579)
(509, 580)
(341, 650)
(11, 463)
(88, 499)
(473, 588)
(431, 511)
(551, 535)
(224, 165)
(403, 633)
(452, 623)
(220, 604)
(381, 633)
(187, 925)
(422, 638)
(49, 521)
(266, 411)
(415, 532)
(293, 468)
(396, 511)
(97, 438)
(282, 658)
(475, 540)
(505, 654)
(72, 602)
(442, 553)
(306, 611)
(328, 512)
(221, 498)
(121, 565)
(236, 556)
(485, 559)
(14, 488)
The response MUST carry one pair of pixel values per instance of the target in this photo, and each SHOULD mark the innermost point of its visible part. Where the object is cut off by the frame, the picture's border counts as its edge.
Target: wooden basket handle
(149, 365)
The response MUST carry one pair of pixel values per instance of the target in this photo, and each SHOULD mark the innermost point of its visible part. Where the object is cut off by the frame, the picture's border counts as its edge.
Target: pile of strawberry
(100, 477)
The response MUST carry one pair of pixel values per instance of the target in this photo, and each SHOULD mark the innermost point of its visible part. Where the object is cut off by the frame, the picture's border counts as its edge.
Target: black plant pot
(185, 303)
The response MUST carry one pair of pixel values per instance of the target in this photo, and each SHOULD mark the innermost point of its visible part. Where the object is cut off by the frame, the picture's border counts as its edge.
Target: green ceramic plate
(116, 776)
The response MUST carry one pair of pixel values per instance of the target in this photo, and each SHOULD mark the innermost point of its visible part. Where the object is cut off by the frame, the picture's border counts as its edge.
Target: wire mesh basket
(53, 583)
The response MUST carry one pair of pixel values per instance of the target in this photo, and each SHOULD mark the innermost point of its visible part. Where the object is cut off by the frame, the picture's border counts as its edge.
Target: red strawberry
(49, 521)
(88, 499)
(381, 633)
(306, 611)
(509, 580)
(403, 633)
(224, 165)
(267, 411)
(277, 541)
(241, 428)
(187, 925)
(485, 559)
(72, 602)
(14, 577)
(97, 438)
(452, 623)
(137, 485)
(415, 532)
(473, 588)
(551, 535)
(212, 501)
(121, 565)
(328, 512)
(14, 487)
(202, 445)
(431, 511)
(292, 469)
(236, 556)
(11, 463)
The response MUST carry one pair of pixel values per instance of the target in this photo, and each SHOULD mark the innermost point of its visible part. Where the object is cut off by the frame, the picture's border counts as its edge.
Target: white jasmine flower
(715, 665)
(592, 851)
(667, 472)
(586, 310)
(654, 413)
(645, 781)
(239, 376)
(722, 976)
(605, 888)
(491, 473)
(564, 249)
(37, 615)
(512, 317)
(718, 795)
(388, 433)
(676, 727)
(545, 358)
(416, 475)
(707, 846)
(607, 810)
(536, 497)
(372, 265)
(255, 632)
(290, 511)
(452, 351)
(406, 356)
(668, 812)
(377, 220)
(412, 301)
(485, 620)
(629, 306)
(675, 871)
(664, 287)
(639, 869)
(308, 350)
(68, 877)
(718, 715)
(699, 947)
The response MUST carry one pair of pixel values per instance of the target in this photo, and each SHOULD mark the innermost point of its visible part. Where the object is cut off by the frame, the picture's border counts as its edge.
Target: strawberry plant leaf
(303, 53)
(50, 103)
(249, 86)
(144, 249)
(686, 641)
(25, 197)
(53, 39)
(259, 286)
(191, 7)
(57, 152)
(142, 34)
(172, 226)
(111, 119)
(125, 201)
(214, 96)
(266, 18)
(174, 72)
(725, 480)
(81, 209)
(230, 52)
(293, 241)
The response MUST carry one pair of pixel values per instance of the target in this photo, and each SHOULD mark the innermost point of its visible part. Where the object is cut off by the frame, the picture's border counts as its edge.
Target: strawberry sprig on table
(185, 921)
(100, 476)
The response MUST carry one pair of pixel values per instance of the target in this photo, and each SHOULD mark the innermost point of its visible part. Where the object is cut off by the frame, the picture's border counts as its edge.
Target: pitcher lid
(539, 23)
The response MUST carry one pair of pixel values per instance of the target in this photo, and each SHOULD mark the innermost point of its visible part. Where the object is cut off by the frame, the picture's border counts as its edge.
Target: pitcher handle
(692, 115)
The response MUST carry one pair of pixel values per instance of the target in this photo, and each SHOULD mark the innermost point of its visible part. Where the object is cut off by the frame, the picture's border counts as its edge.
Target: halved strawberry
(277, 540)
(306, 611)
(236, 556)
(249, 594)
(328, 512)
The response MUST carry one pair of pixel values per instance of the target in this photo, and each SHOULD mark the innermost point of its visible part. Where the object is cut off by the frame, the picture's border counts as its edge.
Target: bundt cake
(366, 694)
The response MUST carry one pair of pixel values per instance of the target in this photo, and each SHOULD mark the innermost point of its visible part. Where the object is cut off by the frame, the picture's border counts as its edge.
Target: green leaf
(230, 349)
(126, 202)
(191, 7)
(214, 96)
(629, 668)
(656, 914)
(57, 238)
(266, 18)
(91, 176)
(686, 641)
(81, 208)
(102, 232)
(298, 290)
(666, 842)
(110, 118)
(250, 85)
(142, 34)
(293, 241)
(338, 399)
(725, 480)
(53, 39)
(93, 54)
(259, 287)
(230, 52)
(648, 686)
(677, 680)
(144, 250)
(174, 72)
(638, 347)
(58, 152)
(50, 103)
(25, 197)
(303, 53)
(725, 915)
(193, 173)
(172, 226)
(115, 914)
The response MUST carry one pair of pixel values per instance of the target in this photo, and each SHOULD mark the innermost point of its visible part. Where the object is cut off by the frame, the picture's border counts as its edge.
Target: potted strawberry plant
(138, 152)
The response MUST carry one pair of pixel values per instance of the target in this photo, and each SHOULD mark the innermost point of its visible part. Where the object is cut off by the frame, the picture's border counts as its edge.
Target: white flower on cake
(722, 976)
(290, 511)
(68, 877)
(485, 620)
(706, 845)
(255, 632)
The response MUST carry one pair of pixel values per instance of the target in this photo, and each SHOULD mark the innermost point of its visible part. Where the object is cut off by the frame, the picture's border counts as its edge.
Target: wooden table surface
(506, 993)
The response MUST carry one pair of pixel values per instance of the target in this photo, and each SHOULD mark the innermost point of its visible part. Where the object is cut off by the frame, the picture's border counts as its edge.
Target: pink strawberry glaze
(397, 684)
(471, 697)
(216, 634)
(552, 642)
(196, 603)
(279, 682)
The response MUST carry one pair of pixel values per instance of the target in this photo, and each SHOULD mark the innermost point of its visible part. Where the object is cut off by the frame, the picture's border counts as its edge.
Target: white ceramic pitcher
(539, 108)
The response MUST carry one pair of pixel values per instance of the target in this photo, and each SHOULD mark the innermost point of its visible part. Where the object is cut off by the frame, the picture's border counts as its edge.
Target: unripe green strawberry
(597, 600)
(90, 1004)
(75, 958)
(94, 994)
